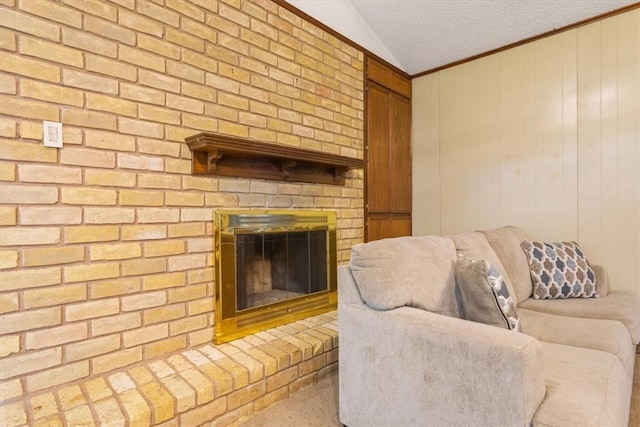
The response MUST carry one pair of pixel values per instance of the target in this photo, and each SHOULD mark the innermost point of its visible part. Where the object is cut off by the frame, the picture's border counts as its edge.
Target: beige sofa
(408, 358)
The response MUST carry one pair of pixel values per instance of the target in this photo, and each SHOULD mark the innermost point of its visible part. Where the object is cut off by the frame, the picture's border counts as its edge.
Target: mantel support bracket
(286, 166)
(339, 174)
(212, 159)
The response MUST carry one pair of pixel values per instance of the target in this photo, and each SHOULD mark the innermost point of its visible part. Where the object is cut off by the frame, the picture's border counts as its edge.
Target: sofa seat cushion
(584, 388)
(617, 305)
(610, 336)
(407, 271)
(506, 241)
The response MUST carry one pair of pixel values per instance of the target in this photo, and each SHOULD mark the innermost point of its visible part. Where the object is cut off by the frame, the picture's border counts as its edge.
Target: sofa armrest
(602, 280)
(404, 366)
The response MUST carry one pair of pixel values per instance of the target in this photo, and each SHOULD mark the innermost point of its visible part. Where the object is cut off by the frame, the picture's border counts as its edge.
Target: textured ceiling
(425, 34)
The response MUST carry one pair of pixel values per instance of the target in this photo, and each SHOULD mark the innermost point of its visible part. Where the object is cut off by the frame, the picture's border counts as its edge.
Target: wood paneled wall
(545, 136)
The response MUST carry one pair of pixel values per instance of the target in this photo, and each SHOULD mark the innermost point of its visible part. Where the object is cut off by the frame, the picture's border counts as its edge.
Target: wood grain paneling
(400, 153)
(388, 77)
(378, 170)
(388, 152)
(544, 136)
(381, 227)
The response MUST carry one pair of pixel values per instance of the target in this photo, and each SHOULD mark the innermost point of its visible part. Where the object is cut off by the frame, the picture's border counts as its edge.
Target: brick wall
(105, 244)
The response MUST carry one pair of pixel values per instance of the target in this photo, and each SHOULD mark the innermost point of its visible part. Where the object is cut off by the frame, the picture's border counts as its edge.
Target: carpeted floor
(317, 406)
(314, 406)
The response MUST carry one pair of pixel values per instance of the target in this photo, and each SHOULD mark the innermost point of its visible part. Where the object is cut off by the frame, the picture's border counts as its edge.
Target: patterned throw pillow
(485, 295)
(559, 270)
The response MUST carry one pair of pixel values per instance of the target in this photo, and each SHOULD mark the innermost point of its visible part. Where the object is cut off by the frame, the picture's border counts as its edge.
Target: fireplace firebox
(272, 267)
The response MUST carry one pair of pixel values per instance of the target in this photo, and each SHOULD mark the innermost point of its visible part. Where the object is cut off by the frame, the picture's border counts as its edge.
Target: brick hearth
(208, 385)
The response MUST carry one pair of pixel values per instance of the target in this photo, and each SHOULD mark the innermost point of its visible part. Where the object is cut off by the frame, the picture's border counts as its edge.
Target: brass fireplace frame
(231, 323)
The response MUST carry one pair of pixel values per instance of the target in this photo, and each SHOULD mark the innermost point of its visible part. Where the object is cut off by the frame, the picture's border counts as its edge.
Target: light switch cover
(52, 134)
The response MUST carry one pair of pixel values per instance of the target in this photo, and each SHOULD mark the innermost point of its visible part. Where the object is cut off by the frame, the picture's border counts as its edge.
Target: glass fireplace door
(272, 267)
(277, 266)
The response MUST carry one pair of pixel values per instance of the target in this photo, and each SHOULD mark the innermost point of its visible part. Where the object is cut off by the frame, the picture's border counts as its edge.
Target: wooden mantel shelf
(215, 154)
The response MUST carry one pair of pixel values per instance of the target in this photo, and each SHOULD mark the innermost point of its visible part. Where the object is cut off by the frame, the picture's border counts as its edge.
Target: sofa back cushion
(475, 245)
(407, 271)
(506, 241)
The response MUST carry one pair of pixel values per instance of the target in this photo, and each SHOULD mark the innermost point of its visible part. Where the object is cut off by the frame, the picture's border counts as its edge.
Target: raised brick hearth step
(216, 385)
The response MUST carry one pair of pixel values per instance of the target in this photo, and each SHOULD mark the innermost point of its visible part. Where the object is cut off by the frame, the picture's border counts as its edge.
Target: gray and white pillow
(559, 270)
(485, 295)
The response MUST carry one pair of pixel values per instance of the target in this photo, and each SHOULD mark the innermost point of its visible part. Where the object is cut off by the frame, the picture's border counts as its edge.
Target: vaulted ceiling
(420, 35)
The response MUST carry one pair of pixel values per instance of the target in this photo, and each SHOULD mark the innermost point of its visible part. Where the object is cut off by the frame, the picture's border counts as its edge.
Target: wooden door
(388, 153)
(380, 227)
(399, 154)
(378, 167)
